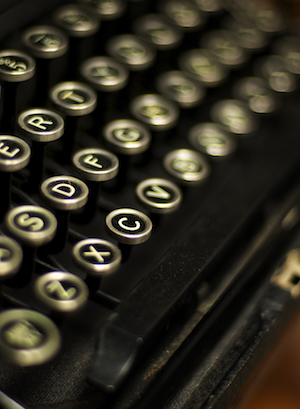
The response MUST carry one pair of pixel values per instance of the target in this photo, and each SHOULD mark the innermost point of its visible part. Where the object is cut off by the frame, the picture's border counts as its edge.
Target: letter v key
(158, 192)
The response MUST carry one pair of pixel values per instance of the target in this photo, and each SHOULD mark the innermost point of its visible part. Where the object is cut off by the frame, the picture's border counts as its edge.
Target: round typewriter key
(76, 21)
(28, 338)
(248, 36)
(156, 29)
(45, 42)
(156, 111)
(14, 156)
(256, 92)
(15, 68)
(159, 195)
(273, 69)
(181, 89)
(183, 13)
(61, 291)
(105, 9)
(128, 226)
(132, 51)
(41, 125)
(289, 48)
(11, 256)
(97, 257)
(74, 99)
(268, 19)
(235, 116)
(186, 165)
(14, 153)
(104, 74)
(32, 225)
(202, 66)
(212, 139)
(65, 192)
(225, 48)
(96, 165)
(127, 137)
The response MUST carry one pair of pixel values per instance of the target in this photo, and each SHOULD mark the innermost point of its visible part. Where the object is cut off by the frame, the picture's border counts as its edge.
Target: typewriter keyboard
(141, 143)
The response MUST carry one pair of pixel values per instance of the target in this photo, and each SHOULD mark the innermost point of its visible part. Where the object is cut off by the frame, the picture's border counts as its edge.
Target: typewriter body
(149, 159)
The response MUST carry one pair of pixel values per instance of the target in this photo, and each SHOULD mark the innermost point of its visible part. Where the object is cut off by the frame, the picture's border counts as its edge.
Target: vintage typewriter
(149, 159)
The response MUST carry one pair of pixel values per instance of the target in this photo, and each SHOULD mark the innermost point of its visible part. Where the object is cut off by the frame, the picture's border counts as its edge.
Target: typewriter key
(184, 14)
(135, 53)
(235, 116)
(41, 126)
(14, 156)
(104, 74)
(33, 226)
(256, 92)
(289, 48)
(64, 194)
(96, 256)
(212, 139)
(75, 100)
(273, 68)
(61, 291)
(181, 89)
(202, 66)
(127, 137)
(224, 46)
(157, 30)
(159, 195)
(268, 19)
(15, 68)
(107, 76)
(11, 256)
(95, 166)
(248, 36)
(156, 111)
(46, 42)
(128, 226)
(28, 338)
(187, 165)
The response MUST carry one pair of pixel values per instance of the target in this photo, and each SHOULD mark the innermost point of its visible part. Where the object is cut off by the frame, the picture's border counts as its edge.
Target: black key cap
(156, 111)
(95, 166)
(129, 227)
(28, 338)
(41, 126)
(64, 194)
(212, 139)
(61, 291)
(159, 195)
(187, 166)
(177, 86)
